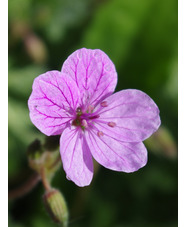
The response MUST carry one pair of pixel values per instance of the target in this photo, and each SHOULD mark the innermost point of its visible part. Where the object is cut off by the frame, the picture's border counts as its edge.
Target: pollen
(100, 133)
(111, 124)
(84, 123)
(90, 109)
(104, 104)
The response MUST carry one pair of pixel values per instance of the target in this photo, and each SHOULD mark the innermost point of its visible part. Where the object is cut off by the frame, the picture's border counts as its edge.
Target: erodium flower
(78, 104)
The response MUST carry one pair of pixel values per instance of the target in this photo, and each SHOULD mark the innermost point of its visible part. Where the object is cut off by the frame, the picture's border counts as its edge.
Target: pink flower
(78, 104)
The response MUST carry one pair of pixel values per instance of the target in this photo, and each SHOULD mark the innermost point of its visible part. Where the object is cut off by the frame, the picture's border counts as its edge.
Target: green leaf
(115, 26)
(21, 134)
(20, 81)
(19, 9)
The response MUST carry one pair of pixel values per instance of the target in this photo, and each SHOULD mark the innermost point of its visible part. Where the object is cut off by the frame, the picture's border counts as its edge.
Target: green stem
(34, 179)
(44, 179)
(55, 162)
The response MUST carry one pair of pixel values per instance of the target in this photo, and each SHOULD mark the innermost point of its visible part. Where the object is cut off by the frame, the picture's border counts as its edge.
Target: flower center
(84, 119)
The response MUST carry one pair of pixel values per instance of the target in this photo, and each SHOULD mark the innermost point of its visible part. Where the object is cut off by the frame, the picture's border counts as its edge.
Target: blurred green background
(141, 39)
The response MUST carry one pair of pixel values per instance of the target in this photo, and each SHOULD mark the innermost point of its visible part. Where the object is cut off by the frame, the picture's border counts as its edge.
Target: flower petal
(94, 73)
(133, 113)
(76, 157)
(114, 154)
(52, 102)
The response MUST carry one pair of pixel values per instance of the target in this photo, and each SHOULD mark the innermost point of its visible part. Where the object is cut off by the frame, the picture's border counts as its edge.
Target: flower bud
(56, 206)
(36, 48)
(51, 143)
(44, 156)
(162, 142)
(35, 149)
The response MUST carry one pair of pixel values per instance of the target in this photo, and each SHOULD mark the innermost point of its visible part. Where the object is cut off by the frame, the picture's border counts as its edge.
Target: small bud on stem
(56, 206)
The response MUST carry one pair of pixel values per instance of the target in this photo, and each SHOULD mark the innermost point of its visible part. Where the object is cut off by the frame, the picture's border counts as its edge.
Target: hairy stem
(44, 179)
(55, 163)
(33, 180)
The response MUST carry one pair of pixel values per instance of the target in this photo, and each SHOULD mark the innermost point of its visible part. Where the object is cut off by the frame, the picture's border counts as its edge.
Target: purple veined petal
(133, 113)
(53, 102)
(93, 72)
(76, 157)
(114, 154)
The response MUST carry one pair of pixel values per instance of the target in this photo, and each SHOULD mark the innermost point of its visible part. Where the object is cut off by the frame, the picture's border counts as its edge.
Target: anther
(104, 104)
(112, 124)
(90, 109)
(84, 123)
(78, 111)
(100, 133)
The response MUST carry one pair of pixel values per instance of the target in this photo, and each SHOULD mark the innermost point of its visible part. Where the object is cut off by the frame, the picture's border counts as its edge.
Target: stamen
(78, 111)
(104, 104)
(100, 133)
(84, 123)
(112, 124)
(76, 122)
(90, 109)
